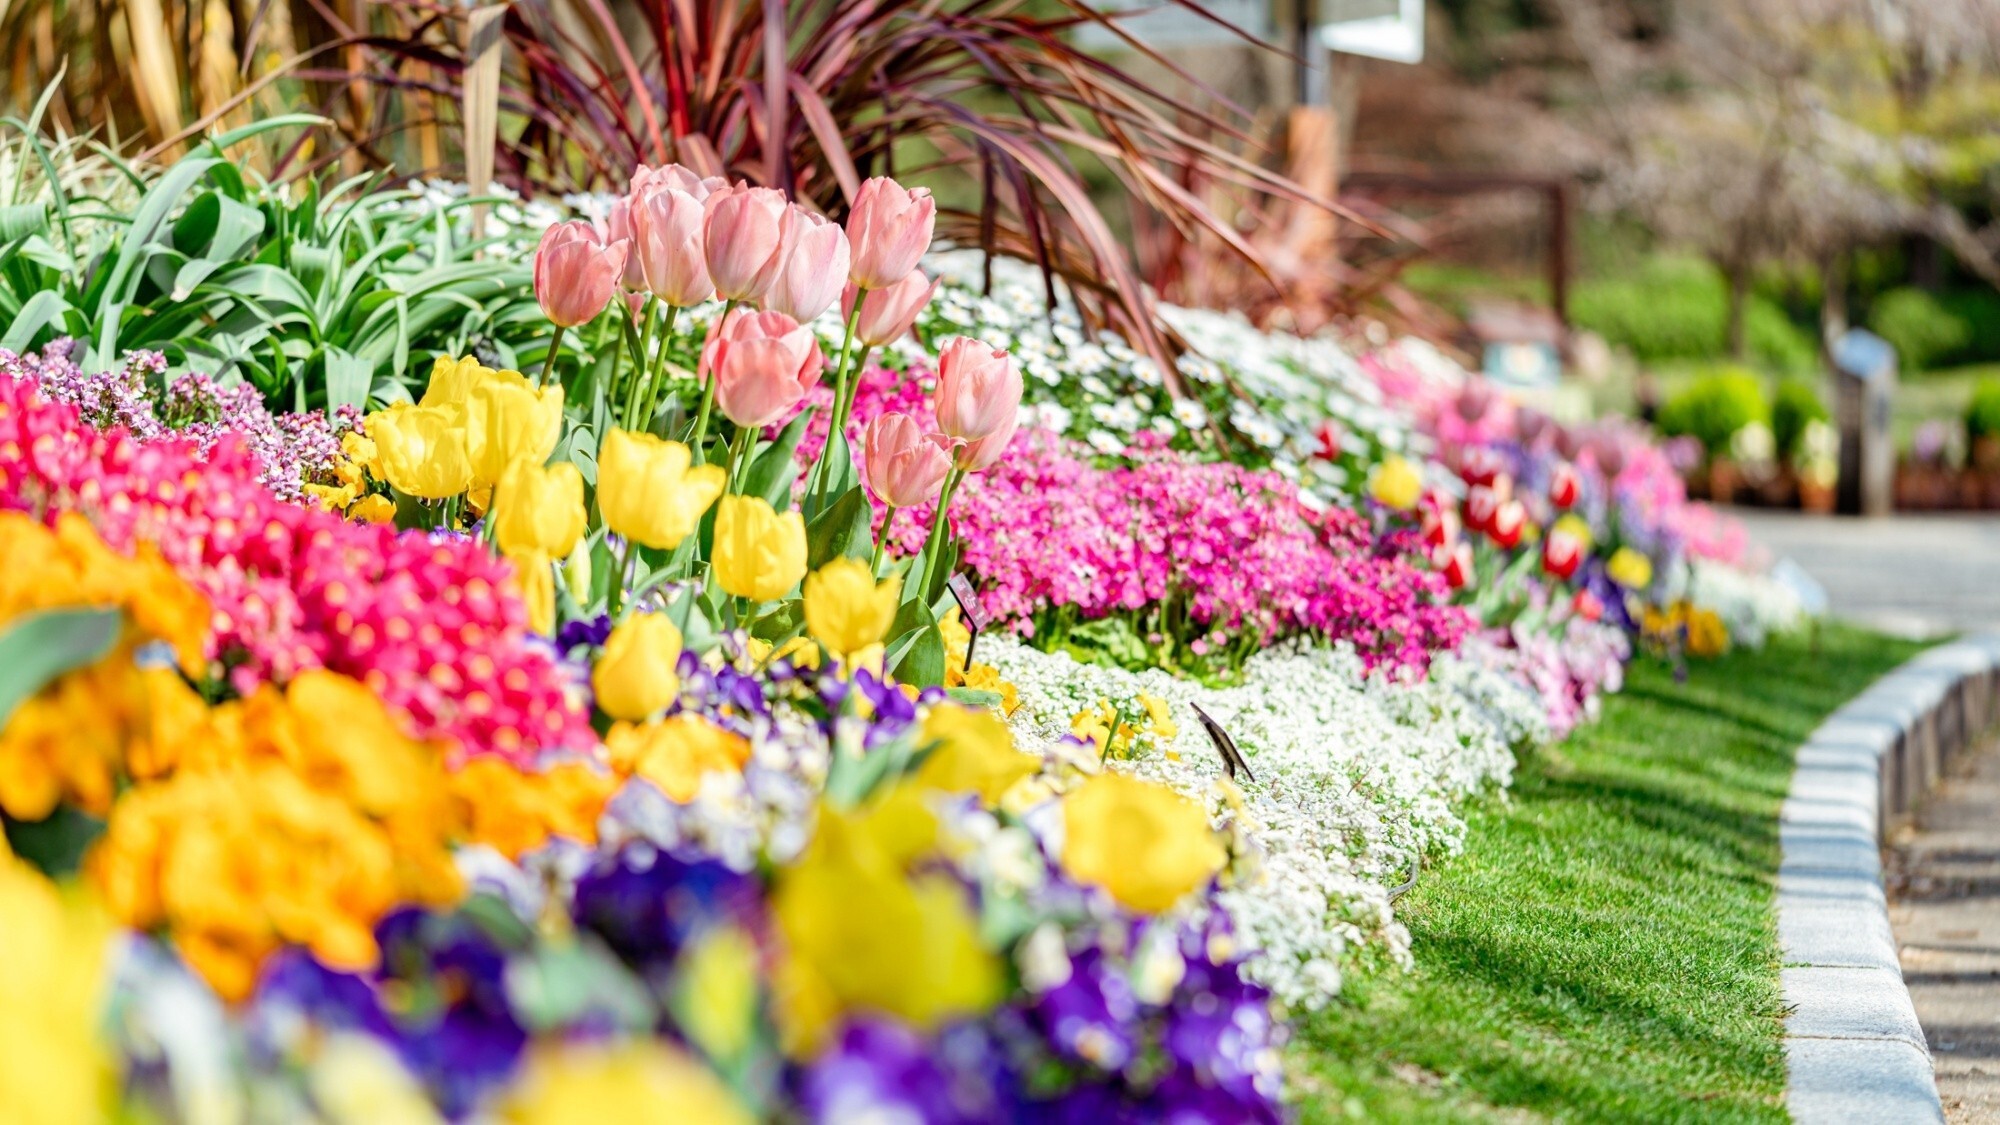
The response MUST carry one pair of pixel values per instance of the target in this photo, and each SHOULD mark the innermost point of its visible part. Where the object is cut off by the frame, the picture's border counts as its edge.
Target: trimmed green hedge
(1715, 406)
(1678, 309)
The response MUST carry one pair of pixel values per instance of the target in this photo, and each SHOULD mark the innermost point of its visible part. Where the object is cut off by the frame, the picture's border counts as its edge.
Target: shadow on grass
(1605, 949)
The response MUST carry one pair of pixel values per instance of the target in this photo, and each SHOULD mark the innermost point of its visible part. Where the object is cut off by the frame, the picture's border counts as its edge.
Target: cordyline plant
(987, 101)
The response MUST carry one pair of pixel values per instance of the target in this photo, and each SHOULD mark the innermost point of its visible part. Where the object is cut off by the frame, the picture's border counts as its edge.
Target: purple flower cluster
(291, 450)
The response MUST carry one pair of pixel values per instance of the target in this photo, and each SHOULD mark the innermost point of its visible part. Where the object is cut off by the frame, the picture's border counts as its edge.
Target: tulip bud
(635, 676)
(759, 554)
(535, 582)
(814, 270)
(846, 609)
(978, 389)
(423, 449)
(1396, 483)
(763, 363)
(905, 466)
(1565, 486)
(1481, 504)
(1630, 569)
(1440, 527)
(1481, 465)
(1458, 566)
(1509, 521)
(667, 225)
(452, 381)
(1587, 605)
(647, 493)
(743, 236)
(1328, 436)
(890, 312)
(538, 510)
(510, 419)
(576, 573)
(889, 229)
(576, 272)
(1564, 549)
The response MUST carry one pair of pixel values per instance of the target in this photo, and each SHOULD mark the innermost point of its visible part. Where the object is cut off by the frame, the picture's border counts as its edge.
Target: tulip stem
(638, 342)
(881, 541)
(837, 422)
(739, 455)
(656, 387)
(549, 360)
(934, 545)
(617, 592)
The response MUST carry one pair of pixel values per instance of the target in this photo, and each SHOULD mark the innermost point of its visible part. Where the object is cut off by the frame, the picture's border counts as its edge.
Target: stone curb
(1854, 1051)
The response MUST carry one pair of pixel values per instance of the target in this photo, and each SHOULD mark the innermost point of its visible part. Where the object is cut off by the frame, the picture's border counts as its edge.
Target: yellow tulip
(1142, 842)
(538, 510)
(1630, 569)
(509, 419)
(452, 380)
(759, 554)
(635, 676)
(535, 581)
(1573, 525)
(52, 1065)
(423, 449)
(647, 492)
(846, 609)
(974, 754)
(1396, 483)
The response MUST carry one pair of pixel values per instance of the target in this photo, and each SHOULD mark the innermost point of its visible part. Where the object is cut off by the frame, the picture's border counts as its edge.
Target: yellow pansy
(647, 492)
(1396, 483)
(759, 554)
(863, 932)
(538, 510)
(52, 1065)
(1630, 569)
(846, 609)
(675, 753)
(423, 449)
(975, 753)
(510, 419)
(641, 1080)
(634, 676)
(1142, 842)
(514, 811)
(373, 509)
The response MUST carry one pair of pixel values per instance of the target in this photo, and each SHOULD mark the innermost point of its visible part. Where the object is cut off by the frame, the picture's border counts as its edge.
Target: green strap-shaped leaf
(41, 646)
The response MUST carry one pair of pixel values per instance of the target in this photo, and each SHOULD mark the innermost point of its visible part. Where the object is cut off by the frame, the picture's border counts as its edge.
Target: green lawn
(1605, 949)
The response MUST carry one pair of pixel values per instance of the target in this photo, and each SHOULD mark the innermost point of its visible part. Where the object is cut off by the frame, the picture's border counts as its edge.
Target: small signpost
(1865, 371)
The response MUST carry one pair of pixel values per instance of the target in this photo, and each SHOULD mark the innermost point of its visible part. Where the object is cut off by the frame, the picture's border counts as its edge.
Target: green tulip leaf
(843, 529)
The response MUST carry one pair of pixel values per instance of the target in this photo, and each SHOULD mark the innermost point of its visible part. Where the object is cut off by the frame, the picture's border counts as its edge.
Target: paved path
(1919, 575)
(1943, 876)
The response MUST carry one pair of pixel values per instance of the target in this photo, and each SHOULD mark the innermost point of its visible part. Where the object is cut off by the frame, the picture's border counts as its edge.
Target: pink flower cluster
(428, 624)
(1231, 552)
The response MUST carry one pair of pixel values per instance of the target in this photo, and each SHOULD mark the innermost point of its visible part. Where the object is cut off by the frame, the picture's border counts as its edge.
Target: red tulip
(1565, 486)
(1440, 524)
(1329, 436)
(1457, 567)
(886, 314)
(1481, 505)
(1480, 465)
(1562, 553)
(667, 243)
(576, 271)
(763, 363)
(1509, 521)
(814, 269)
(889, 228)
(978, 389)
(905, 465)
(743, 235)
(1587, 605)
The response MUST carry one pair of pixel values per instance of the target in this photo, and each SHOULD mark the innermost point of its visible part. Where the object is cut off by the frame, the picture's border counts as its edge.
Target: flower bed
(612, 733)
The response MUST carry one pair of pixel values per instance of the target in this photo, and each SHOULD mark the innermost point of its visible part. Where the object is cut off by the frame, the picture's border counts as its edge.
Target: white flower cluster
(1356, 781)
(1753, 605)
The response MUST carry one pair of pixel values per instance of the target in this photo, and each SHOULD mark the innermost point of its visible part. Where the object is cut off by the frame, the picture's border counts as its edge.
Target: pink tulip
(886, 314)
(576, 271)
(890, 227)
(763, 363)
(814, 268)
(978, 456)
(680, 178)
(667, 243)
(978, 390)
(905, 465)
(617, 225)
(743, 235)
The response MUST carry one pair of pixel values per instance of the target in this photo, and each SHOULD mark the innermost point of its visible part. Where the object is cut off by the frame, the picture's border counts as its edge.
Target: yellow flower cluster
(960, 672)
(1702, 631)
(1107, 727)
(866, 928)
(1145, 844)
(675, 753)
(515, 811)
(644, 1080)
(296, 817)
(360, 459)
(53, 944)
(70, 740)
